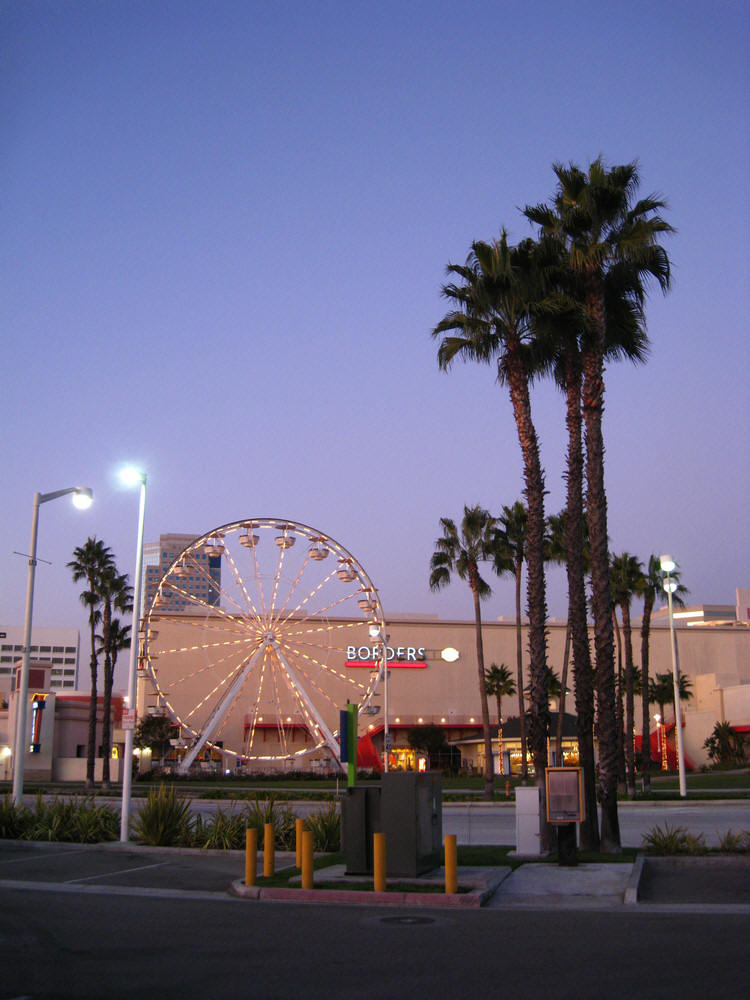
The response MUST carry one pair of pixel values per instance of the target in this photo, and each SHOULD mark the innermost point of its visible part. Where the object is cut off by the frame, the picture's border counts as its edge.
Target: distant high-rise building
(57, 646)
(204, 583)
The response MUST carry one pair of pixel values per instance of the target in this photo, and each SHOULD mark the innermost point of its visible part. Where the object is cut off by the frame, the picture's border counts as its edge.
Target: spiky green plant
(224, 831)
(14, 819)
(325, 826)
(669, 840)
(164, 820)
(734, 842)
(283, 818)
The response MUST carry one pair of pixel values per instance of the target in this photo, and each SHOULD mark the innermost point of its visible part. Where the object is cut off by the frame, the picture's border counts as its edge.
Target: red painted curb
(465, 900)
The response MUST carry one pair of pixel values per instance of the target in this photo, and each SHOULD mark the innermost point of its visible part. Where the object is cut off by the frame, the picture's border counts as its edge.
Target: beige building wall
(716, 660)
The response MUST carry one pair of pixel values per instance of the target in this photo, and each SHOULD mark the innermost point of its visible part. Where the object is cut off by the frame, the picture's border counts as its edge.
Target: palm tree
(652, 591)
(627, 581)
(604, 234)
(554, 685)
(661, 691)
(116, 595)
(556, 551)
(510, 554)
(462, 554)
(568, 543)
(499, 684)
(561, 328)
(89, 562)
(501, 288)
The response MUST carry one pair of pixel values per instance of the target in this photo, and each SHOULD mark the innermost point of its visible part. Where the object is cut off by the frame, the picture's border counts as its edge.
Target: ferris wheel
(247, 639)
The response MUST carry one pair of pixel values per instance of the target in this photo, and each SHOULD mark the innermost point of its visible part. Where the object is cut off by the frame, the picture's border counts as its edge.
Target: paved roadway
(83, 945)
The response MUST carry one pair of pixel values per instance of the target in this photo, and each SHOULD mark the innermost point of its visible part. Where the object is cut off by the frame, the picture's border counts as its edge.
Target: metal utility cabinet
(408, 808)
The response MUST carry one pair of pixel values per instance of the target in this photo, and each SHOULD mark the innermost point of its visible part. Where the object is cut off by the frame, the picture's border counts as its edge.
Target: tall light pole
(376, 632)
(82, 498)
(132, 477)
(668, 566)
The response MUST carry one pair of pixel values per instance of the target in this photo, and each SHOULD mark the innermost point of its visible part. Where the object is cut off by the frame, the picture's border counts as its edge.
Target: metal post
(22, 693)
(669, 586)
(127, 762)
(84, 495)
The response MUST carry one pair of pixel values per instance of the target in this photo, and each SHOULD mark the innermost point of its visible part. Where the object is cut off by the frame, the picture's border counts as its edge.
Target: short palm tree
(652, 593)
(661, 691)
(461, 553)
(627, 581)
(89, 562)
(499, 684)
(510, 555)
(111, 642)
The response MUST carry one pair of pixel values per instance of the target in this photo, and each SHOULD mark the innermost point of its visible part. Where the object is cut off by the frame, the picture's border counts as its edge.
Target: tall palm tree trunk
(619, 707)
(93, 706)
(106, 720)
(519, 672)
(577, 623)
(629, 701)
(107, 695)
(489, 777)
(601, 603)
(539, 718)
(645, 707)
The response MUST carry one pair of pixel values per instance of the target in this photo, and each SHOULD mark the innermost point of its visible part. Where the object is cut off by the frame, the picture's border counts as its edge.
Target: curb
(631, 889)
(480, 890)
(466, 900)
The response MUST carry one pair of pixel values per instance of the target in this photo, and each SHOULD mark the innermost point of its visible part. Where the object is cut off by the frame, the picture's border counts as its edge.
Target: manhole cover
(408, 920)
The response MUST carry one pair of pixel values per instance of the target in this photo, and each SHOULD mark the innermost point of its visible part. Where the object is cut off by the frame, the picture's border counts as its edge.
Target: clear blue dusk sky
(224, 230)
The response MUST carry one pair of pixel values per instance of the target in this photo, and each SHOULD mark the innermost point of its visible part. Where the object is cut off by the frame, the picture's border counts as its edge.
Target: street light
(668, 566)
(376, 632)
(82, 498)
(132, 477)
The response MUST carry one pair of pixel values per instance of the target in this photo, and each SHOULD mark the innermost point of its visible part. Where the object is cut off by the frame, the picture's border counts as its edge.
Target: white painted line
(121, 871)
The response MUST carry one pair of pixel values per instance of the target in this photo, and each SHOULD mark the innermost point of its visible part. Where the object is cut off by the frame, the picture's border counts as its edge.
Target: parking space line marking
(35, 856)
(121, 871)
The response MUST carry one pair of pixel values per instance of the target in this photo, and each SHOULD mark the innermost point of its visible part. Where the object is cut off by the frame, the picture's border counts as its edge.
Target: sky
(224, 232)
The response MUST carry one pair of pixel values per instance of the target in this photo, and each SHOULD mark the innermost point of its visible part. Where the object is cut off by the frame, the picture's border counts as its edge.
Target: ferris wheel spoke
(319, 722)
(250, 605)
(219, 710)
(299, 610)
(248, 738)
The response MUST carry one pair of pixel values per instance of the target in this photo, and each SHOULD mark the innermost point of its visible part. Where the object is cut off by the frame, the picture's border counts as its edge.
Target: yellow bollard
(307, 859)
(251, 855)
(451, 864)
(378, 862)
(268, 850)
(299, 827)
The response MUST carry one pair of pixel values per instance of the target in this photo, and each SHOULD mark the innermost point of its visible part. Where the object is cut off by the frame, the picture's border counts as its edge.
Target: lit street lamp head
(667, 564)
(131, 476)
(83, 497)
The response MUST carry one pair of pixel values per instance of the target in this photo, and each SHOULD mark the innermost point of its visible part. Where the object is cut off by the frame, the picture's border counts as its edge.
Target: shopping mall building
(245, 705)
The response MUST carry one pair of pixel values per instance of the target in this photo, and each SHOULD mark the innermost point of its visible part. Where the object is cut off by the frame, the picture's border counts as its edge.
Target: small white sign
(128, 718)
